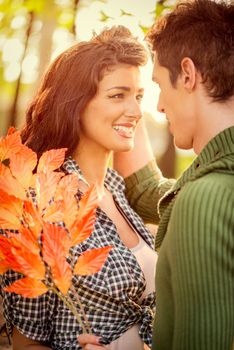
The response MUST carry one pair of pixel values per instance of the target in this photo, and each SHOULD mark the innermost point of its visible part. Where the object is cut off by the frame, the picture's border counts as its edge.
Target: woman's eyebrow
(125, 88)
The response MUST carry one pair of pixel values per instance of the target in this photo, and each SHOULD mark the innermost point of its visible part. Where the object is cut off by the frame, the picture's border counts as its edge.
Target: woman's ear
(188, 73)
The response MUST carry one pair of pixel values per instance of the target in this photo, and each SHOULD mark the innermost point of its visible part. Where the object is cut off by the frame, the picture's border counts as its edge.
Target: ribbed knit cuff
(143, 174)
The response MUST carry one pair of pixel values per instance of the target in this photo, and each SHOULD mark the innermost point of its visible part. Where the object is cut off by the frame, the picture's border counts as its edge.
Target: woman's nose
(134, 110)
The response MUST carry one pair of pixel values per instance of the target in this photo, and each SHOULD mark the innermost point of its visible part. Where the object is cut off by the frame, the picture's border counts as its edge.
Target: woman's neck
(93, 166)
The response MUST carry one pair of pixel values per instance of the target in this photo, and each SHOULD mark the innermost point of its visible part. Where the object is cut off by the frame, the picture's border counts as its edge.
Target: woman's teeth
(124, 130)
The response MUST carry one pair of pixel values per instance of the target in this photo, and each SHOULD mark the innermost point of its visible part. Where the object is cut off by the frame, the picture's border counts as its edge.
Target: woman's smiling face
(110, 118)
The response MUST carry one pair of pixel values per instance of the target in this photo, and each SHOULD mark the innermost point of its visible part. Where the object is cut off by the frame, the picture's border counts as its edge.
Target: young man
(193, 65)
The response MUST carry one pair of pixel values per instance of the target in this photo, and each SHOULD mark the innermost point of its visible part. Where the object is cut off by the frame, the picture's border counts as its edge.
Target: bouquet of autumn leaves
(42, 220)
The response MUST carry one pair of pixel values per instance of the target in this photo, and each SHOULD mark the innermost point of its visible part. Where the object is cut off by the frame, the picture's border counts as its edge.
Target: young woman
(89, 102)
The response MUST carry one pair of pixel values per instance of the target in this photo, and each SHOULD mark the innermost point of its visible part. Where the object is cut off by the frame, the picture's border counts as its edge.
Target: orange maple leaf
(88, 202)
(9, 260)
(54, 238)
(91, 261)
(22, 168)
(8, 220)
(11, 130)
(70, 211)
(3, 267)
(55, 250)
(62, 275)
(66, 191)
(9, 184)
(28, 155)
(25, 239)
(45, 186)
(11, 203)
(11, 209)
(82, 228)
(27, 287)
(2, 256)
(32, 218)
(54, 212)
(19, 258)
(51, 160)
(68, 186)
(10, 145)
(30, 264)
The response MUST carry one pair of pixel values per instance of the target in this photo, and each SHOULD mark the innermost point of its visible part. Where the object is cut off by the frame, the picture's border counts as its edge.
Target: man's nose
(160, 107)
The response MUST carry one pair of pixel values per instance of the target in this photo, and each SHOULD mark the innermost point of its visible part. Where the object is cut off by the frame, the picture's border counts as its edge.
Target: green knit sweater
(195, 269)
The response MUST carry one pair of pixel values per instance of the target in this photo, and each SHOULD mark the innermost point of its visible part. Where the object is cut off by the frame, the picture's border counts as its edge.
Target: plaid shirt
(111, 297)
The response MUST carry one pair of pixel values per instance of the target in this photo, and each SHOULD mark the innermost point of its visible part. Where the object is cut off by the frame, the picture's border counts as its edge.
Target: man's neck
(212, 118)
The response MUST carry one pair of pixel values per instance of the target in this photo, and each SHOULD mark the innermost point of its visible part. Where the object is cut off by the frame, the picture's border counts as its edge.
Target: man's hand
(90, 342)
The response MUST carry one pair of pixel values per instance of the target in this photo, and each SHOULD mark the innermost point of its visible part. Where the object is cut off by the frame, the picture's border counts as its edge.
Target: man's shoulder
(215, 180)
(212, 187)
(202, 206)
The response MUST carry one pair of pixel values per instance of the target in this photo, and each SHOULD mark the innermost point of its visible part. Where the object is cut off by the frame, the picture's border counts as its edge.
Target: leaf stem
(71, 307)
(82, 309)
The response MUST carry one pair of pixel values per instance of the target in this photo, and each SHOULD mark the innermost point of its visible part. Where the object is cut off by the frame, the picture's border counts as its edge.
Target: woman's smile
(126, 130)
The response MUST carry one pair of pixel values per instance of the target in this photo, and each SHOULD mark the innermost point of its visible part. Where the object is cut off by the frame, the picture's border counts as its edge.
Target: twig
(82, 309)
(71, 307)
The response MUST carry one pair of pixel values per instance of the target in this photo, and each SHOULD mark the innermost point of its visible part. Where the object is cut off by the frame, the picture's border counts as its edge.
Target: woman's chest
(123, 225)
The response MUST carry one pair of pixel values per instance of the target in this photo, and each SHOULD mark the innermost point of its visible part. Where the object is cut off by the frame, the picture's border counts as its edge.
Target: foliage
(183, 161)
(42, 221)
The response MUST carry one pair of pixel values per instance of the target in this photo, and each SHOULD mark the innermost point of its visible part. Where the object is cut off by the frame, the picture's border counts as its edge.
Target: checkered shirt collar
(113, 182)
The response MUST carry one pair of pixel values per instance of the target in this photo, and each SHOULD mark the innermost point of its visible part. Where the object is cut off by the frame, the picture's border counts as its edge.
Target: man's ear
(188, 73)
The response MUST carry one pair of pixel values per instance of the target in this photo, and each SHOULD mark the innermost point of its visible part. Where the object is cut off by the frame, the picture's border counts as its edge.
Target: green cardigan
(195, 269)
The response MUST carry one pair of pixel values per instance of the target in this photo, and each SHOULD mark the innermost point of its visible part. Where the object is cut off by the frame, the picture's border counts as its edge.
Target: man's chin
(183, 145)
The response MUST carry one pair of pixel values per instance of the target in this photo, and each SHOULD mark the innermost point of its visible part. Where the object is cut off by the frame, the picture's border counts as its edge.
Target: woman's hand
(90, 342)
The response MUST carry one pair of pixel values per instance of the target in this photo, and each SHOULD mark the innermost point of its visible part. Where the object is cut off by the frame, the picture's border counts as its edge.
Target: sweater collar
(217, 155)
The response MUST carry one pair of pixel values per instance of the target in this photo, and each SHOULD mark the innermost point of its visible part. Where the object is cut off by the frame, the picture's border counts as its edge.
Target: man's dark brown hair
(202, 30)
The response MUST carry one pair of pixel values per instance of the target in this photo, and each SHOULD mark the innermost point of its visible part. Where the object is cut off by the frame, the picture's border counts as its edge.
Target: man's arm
(145, 184)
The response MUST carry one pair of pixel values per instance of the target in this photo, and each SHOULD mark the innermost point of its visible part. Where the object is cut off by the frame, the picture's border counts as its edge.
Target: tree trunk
(14, 108)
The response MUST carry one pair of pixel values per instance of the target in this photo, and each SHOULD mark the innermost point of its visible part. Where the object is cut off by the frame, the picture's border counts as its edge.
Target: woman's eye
(139, 98)
(117, 96)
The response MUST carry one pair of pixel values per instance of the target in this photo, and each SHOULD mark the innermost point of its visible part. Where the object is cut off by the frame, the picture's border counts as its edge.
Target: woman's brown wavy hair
(53, 117)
